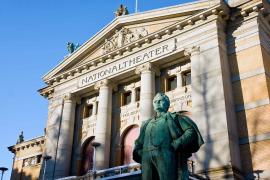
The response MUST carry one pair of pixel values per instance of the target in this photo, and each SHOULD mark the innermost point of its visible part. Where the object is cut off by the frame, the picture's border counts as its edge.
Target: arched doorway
(87, 156)
(128, 143)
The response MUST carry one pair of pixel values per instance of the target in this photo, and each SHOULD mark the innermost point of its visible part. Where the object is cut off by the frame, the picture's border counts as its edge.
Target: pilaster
(213, 111)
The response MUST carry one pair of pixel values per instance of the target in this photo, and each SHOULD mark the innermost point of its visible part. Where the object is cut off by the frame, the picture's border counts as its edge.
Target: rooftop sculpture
(122, 10)
(71, 47)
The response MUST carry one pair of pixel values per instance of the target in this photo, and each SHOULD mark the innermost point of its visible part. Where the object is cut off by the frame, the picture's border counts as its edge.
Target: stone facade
(27, 160)
(210, 58)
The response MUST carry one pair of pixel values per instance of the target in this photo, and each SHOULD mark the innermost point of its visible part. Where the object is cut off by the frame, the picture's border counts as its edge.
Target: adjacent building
(212, 58)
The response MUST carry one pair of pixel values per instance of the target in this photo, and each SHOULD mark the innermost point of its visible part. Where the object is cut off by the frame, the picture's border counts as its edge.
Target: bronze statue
(122, 10)
(71, 47)
(21, 138)
(165, 143)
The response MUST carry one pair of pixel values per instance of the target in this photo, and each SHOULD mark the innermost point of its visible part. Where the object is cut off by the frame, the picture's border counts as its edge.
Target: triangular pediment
(124, 30)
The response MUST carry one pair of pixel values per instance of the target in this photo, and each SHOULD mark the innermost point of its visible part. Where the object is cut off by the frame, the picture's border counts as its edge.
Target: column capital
(91, 100)
(102, 83)
(132, 86)
(147, 67)
(69, 97)
(191, 51)
(175, 71)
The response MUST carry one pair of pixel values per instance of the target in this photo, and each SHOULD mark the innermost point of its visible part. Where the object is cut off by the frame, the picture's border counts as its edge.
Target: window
(88, 111)
(187, 78)
(39, 159)
(138, 92)
(32, 161)
(126, 98)
(172, 83)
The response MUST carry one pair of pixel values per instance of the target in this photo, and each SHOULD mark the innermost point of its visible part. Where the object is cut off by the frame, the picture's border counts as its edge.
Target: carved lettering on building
(126, 63)
(183, 98)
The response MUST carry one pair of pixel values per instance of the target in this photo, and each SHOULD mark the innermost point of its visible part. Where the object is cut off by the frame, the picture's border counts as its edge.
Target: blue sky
(33, 37)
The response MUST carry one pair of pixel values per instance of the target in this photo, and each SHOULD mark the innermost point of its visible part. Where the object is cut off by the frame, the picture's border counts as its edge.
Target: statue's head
(161, 102)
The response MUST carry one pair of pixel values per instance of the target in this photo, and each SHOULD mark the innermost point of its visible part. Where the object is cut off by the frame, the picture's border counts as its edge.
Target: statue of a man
(21, 138)
(165, 143)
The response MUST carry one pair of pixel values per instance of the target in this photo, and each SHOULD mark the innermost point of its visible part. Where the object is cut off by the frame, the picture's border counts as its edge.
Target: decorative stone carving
(91, 101)
(192, 51)
(174, 71)
(102, 83)
(69, 97)
(123, 37)
(147, 67)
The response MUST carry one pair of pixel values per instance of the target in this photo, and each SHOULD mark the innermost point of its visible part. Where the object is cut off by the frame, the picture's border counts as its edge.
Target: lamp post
(95, 145)
(46, 158)
(3, 169)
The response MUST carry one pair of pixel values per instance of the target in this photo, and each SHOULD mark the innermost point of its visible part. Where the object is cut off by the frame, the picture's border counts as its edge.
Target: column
(94, 108)
(93, 102)
(133, 95)
(179, 79)
(103, 126)
(65, 140)
(147, 93)
(51, 138)
(132, 89)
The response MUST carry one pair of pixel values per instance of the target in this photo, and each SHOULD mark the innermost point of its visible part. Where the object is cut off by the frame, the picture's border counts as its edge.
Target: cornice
(152, 15)
(27, 144)
(221, 10)
(46, 92)
(247, 11)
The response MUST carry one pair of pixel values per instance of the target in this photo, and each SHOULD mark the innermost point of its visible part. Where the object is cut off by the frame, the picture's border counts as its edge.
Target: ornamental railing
(115, 172)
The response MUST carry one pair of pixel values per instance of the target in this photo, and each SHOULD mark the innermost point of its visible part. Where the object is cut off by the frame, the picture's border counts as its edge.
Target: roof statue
(21, 138)
(71, 47)
(122, 10)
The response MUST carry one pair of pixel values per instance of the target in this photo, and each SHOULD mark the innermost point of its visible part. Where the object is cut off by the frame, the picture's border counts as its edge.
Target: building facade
(210, 57)
(28, 158)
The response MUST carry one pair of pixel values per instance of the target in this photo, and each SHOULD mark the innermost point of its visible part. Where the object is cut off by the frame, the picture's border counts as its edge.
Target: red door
(87, 158)
(128, 143)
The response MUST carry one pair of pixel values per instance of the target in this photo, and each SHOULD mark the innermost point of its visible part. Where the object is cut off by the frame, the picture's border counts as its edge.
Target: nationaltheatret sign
(127, 63)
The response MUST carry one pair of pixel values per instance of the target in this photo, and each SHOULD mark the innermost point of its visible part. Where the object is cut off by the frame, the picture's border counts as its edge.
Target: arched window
(128, 144)
(87, 156)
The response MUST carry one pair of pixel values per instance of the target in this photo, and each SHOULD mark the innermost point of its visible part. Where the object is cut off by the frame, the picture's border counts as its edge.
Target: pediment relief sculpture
(123, 37)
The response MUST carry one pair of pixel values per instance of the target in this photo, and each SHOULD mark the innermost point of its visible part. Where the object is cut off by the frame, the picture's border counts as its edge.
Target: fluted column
(147, 72)
(64, 147)
(103, 126)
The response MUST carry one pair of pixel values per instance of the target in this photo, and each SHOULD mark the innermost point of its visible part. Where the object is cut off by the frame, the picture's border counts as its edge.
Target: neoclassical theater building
(212, 58)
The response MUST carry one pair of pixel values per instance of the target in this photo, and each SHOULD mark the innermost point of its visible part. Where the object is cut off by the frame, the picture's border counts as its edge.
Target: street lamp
(3, 169)
(95, 145)
(46, 158)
